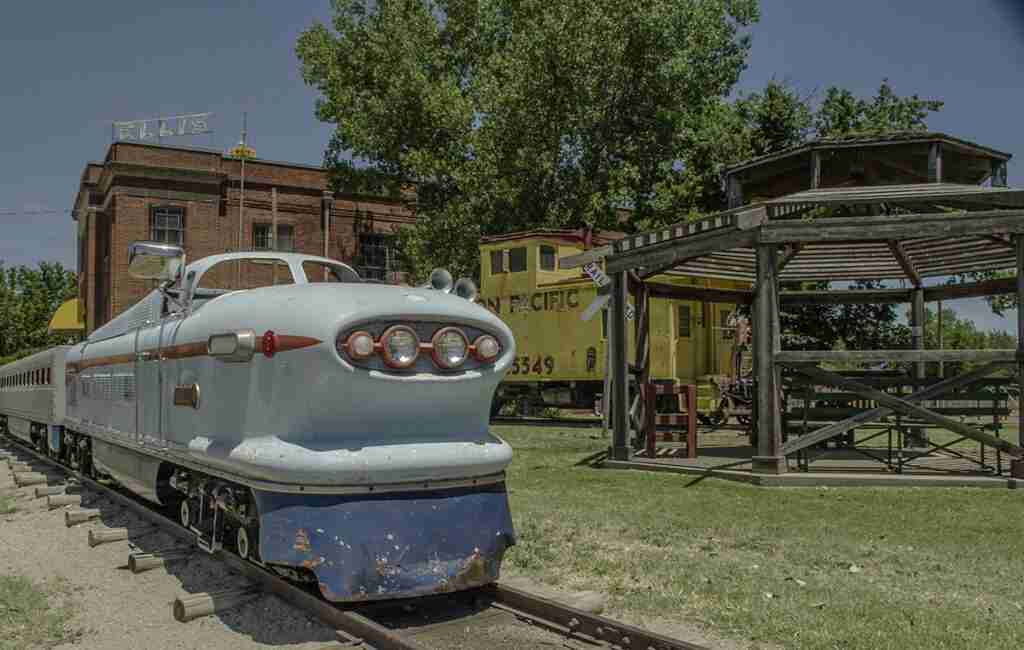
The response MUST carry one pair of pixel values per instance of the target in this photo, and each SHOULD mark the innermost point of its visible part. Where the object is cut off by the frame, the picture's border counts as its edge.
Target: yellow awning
(66, 319)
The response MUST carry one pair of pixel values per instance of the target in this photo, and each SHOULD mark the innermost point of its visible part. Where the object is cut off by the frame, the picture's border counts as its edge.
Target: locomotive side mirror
(149, 260)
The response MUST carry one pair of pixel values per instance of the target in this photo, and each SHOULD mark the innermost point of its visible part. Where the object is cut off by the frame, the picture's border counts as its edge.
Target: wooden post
(1017, 468)
(935, 163)
(691, 421)
(815, 169)
(999, 173)
(733, 191)
(942, 364)
(917, 329)
(620, 368)
(766, 344)
(650, 418)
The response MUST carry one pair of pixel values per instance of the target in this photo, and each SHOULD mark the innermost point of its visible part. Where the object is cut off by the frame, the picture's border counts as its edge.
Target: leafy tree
(842, 113)
(511, 114)
(960, 333)
(28, 299)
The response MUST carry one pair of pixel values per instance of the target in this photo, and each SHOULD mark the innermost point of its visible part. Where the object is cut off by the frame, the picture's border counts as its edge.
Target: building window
(169, 225)
(547, 258)
(728, 329)
(378, 257)
(517, 259)
(497, 262)
(261, 240)
(684, 321)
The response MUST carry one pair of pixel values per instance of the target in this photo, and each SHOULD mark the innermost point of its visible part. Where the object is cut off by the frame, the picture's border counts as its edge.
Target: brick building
(191, 196)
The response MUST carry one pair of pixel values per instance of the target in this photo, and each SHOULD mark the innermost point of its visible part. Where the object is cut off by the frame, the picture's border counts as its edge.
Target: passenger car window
(250, 273)
(517, 259)
(321, 272)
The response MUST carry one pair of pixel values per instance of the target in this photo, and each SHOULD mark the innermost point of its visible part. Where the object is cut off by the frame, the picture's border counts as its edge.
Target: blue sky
(70, 68)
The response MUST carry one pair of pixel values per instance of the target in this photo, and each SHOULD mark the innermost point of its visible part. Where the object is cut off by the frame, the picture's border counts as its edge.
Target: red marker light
(269, 343)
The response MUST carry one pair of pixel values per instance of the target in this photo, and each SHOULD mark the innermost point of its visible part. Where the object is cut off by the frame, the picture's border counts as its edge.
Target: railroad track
(589, 423)
(488, 618)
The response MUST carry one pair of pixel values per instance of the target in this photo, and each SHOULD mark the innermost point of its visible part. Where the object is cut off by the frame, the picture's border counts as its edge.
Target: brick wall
(134, 179)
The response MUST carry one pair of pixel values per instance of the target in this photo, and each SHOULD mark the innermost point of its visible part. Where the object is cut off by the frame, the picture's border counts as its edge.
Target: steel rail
(355, 629)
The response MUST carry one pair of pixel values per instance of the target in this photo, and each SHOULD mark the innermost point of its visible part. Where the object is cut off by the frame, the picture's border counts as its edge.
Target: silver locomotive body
(335, 429)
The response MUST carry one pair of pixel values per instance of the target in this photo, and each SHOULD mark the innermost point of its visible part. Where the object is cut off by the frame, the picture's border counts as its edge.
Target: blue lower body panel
(374, 547)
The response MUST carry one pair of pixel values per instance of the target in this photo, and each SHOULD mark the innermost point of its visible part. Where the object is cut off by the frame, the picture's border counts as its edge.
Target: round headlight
(450, 347)
(487, 348)
(401, 346)
(359, 345)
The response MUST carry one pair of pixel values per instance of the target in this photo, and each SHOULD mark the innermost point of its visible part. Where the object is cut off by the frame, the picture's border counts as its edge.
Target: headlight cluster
(400, 347)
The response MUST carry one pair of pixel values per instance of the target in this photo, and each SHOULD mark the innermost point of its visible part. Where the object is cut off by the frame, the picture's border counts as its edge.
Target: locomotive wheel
(247, 543)
(242, 543)
(185, 513)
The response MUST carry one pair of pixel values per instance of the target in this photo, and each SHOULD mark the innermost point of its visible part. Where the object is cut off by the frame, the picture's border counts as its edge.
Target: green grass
(7, 504)
(29, 617)
(802, 567)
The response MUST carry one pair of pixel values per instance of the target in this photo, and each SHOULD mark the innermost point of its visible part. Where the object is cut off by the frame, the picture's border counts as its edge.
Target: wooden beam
(586, 257)
(814, 356)
(676, 292)
(888, 227)
(846, 297)
(791, 251)
(904, 261)
(981, 289)
(935, 390)
(905, 407)
(661, 257)
(1002, 240)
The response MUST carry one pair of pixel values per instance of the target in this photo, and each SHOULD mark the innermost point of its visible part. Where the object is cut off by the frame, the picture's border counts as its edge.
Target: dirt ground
(114, 609)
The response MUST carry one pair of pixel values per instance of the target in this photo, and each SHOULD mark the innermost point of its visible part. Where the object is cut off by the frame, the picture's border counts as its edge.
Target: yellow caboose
(561, 358)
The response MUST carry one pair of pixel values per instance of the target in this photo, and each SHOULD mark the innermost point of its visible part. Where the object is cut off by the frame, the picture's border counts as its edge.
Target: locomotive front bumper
(392, 545)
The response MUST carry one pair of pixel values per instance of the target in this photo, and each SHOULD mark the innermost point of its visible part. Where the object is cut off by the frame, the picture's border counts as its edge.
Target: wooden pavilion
(907, 207)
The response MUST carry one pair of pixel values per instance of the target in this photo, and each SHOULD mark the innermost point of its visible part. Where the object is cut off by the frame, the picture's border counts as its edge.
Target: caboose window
(684, 321)
(547, 258)
(168, 225)
(497, 262)
(517, 259)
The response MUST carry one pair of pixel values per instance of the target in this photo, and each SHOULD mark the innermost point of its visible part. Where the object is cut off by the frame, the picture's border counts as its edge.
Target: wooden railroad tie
(61, 500)
(187, 608)
(74, 517)
(97, 537)
(140, 562)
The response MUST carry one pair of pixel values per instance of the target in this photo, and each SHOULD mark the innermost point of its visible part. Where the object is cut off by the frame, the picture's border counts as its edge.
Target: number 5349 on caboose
(561, 357)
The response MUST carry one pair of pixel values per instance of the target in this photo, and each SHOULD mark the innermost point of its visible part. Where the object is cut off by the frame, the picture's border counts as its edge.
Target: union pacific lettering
(563, 300)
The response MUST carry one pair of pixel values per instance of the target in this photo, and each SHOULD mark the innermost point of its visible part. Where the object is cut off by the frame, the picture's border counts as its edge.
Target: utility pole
(241, 199)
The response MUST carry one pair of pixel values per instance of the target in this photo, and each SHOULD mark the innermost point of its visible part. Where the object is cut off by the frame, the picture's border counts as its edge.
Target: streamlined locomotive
(328, 428)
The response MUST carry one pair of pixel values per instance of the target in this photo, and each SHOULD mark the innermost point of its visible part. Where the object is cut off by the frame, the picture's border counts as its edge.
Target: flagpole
(241, 200)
